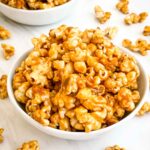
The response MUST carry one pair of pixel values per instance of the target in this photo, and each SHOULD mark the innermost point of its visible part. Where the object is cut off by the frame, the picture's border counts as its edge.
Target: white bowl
(143, 88)
(38, 17)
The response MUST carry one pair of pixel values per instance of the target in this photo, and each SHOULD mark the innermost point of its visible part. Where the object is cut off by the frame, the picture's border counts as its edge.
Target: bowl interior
(143, 89)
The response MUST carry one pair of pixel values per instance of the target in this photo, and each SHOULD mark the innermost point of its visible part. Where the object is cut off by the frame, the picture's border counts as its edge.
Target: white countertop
(134, 135)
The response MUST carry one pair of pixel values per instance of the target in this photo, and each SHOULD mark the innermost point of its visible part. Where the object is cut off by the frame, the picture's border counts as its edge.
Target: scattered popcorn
(76, 80)
(145, 109)
(4, 33)
(31, 145)
(134, 18)
(3, 87)
(140, 45)
(143, 16)
(102, 16)
(131, 18)
(122, 6)
(111, 32)
(1, 136)
(146, 31)
(34, 4)
(8, 51)
(115, 147)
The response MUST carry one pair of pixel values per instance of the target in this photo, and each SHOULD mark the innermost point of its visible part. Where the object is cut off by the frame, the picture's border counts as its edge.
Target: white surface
(38, 17)
(134, 135)
(143, 89)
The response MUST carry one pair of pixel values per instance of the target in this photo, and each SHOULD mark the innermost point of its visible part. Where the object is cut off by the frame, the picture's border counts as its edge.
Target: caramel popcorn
(1, 136)
(4, 33)
(34, 4)
(122, 6)
(31, 145)
(140, 45)
(145, 109)
(3, 87)
(8, 51)
(115, 147)
(111, 32)
(143, 16)
(76, 80)
(146, 31)
(102, 16)
(133, 18)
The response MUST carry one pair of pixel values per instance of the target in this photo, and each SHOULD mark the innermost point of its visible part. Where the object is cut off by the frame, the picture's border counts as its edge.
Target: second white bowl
(38, 17)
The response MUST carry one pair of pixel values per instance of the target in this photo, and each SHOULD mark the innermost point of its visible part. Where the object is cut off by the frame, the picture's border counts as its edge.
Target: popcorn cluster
(3, 87)
(140, 45)
(145, 109)
(146, 31)
(1, 136)
(115, 147)
(111, 32)
(31, 145)
(8, 51)
(76, 80)
(133, 18)
(33, 4)
(101, 16)
(122, 6)
(4, 33)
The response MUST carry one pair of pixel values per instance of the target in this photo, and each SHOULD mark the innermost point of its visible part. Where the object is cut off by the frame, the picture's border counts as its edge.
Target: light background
(134, 135)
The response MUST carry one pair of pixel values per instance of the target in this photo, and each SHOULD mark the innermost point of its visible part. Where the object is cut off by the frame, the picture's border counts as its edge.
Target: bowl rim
(69, 134)
(39, 10)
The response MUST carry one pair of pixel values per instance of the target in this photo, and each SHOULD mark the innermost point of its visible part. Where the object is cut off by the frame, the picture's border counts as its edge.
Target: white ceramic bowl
(38, 17)
(143, 88)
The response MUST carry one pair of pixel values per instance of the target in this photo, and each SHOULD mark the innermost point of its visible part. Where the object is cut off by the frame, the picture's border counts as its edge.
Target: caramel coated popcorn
(3, 87)
(76, 80)
(102, 16)
(115, 147)
(31, 145)
(1, 136)
(145, 109)
(140, 45)
(122, 6)
(4, 33)
(111, 32)
(8, 51)
(146, 31)
(133, 18)
(34, 4)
